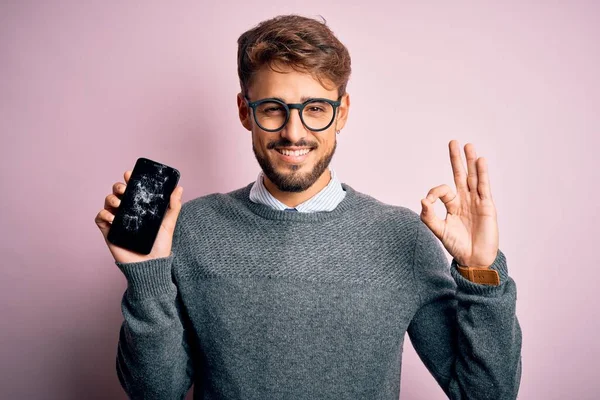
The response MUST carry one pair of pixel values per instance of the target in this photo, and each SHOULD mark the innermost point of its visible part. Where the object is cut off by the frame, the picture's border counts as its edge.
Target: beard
(294, 181)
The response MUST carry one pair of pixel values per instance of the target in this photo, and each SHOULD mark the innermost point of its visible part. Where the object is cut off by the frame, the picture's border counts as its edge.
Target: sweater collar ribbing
(242, 195)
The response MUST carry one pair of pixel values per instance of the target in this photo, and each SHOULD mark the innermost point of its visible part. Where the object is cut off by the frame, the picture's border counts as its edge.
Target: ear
(244, 112)
(342, 111)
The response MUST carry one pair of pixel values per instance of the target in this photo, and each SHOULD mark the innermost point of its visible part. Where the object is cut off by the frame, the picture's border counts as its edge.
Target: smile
(293, 155)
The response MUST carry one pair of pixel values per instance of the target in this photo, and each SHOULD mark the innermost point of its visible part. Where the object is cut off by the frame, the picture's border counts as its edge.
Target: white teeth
(296, 153)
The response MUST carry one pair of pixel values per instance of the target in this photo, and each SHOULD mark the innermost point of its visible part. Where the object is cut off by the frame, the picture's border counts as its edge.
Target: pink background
(86, 89)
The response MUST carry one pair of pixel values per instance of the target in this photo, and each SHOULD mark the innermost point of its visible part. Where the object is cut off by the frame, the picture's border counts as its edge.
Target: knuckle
(435, 190)
(112, 201)
(108, 215)
(118, 187)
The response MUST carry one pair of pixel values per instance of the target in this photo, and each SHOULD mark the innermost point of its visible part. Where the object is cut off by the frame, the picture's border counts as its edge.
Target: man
(297, 286)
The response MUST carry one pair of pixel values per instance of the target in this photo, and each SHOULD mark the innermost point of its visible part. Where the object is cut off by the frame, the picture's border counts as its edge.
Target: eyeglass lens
(272, 115)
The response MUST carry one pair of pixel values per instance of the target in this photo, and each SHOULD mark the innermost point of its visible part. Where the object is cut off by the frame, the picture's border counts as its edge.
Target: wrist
(472, 266)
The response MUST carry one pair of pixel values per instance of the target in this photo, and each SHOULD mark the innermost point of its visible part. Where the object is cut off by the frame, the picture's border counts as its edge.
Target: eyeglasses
(272, 114)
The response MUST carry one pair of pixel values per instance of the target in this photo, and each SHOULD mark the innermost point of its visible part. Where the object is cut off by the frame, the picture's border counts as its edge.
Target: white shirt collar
(325, 200)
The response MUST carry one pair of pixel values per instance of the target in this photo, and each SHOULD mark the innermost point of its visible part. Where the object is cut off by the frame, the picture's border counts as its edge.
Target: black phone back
(143, 205)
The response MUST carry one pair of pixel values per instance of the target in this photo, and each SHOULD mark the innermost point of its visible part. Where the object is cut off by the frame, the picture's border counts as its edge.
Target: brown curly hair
(304, 44)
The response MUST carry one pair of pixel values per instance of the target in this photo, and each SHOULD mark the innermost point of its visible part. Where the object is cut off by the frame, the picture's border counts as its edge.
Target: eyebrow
(302, 99)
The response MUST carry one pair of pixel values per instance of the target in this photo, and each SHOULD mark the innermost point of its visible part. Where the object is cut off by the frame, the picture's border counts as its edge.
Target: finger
(433, 222)
(104, 220)
(458, 169)
(127, 175)
(105, 216)
(111, 202)
(173, 210)
(483, 187)
(446, 195)
(471, 168)
(118, 189)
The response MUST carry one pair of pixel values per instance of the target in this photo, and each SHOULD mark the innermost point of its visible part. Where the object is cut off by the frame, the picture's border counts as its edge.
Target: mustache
(286, 143)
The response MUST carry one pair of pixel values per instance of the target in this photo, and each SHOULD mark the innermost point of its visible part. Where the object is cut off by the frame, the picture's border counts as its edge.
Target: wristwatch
(484, 276)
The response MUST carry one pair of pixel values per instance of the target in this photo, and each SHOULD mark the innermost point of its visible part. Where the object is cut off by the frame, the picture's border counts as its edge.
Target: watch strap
(484, 276)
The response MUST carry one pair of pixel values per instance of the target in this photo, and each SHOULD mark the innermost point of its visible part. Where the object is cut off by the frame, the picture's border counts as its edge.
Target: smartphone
(143, 205)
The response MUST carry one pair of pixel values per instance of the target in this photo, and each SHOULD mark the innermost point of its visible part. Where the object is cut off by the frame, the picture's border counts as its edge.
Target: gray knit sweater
(257, 303)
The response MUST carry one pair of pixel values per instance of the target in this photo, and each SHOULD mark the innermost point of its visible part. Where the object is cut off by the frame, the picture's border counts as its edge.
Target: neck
(293, 199)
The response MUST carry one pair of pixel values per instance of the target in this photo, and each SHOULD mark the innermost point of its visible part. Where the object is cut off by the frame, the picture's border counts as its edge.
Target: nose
(294, 130)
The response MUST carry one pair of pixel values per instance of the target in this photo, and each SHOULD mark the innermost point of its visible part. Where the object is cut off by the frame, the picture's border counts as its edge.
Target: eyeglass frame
(290, 106)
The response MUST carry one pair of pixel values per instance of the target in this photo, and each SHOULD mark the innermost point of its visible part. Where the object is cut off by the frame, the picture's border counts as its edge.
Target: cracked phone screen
(143, 205)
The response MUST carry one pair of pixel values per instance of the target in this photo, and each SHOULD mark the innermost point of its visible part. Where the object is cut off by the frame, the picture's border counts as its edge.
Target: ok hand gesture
(470, 230)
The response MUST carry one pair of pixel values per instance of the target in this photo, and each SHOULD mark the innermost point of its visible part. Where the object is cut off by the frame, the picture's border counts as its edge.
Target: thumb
(433, 222)
(170, 218)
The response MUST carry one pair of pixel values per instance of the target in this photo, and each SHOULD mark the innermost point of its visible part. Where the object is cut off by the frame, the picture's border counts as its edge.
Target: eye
(317, 107)
(271, 108)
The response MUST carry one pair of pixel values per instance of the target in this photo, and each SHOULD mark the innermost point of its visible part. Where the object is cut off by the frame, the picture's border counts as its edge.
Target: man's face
(291, 173)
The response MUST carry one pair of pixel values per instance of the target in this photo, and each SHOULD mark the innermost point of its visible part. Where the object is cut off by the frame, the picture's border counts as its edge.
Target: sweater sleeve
(466, 334)
(153, 354)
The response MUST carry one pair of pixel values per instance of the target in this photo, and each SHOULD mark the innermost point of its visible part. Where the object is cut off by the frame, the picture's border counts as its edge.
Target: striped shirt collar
(326, 200)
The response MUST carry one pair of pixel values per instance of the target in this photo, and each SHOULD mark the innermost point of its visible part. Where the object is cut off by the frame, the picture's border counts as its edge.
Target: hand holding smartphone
(139, 217)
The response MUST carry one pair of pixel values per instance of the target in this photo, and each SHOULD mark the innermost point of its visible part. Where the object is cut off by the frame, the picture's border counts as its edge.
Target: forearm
(466, 333)
(153, 360)
(488, 362)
